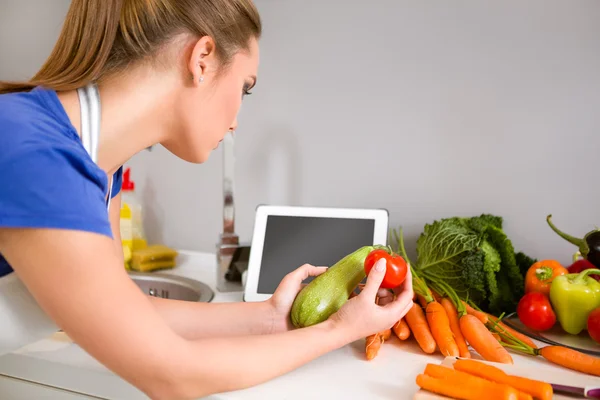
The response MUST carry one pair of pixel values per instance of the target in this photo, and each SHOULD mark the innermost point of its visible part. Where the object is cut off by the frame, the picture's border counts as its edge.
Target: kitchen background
(429, 109)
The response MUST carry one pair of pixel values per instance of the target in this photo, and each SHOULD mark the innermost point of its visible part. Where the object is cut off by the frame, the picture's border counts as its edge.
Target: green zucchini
(328, 292)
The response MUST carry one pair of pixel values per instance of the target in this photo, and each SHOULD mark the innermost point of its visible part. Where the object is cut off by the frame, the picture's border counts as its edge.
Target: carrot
(422, 301)
(385, 335)
(453, 375)
(483, 317)
(503, 328)
(372, 345)
(524, 396)
(497, 337)
(571, 359)
(482, 340)
(539, 390)
(463, 349)
(463, 392)
(436, 295)
(401, 330)
(415, 318)
(469, 386)
(440, 329)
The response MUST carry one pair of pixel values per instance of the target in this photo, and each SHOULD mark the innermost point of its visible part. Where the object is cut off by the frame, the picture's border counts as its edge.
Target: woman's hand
(362, 317)
(281, 302)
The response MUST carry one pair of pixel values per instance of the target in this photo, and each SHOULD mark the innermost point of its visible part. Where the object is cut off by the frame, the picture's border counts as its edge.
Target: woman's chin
(190, 155)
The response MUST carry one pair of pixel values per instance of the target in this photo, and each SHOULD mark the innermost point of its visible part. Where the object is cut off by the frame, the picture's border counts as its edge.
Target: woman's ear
(203, 61)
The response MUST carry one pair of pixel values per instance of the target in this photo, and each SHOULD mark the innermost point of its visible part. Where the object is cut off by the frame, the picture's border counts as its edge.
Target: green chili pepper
(573, 297)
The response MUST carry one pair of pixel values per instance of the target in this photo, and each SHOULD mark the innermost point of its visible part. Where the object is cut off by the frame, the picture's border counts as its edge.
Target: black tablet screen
(293, 241)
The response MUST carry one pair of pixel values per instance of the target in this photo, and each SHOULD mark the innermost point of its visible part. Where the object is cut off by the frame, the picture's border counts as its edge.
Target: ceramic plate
(556, 336)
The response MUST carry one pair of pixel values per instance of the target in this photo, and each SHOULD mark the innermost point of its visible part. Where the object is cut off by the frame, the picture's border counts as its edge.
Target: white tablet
(285, 238)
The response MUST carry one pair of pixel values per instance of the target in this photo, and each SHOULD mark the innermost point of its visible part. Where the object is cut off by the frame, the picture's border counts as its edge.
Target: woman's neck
(133, 117)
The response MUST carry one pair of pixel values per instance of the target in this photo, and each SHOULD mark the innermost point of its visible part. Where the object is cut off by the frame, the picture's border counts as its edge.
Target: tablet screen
(292, 241)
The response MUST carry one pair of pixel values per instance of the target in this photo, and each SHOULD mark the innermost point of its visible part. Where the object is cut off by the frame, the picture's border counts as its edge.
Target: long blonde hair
(101, 37)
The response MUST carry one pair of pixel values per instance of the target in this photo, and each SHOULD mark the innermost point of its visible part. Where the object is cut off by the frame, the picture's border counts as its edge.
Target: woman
(171, 72)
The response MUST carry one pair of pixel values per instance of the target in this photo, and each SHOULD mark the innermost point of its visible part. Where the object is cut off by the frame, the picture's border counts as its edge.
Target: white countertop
(343, 374)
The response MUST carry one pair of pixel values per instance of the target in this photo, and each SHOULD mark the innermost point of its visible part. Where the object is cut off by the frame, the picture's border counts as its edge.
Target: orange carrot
(454, 375)
(539, 390)
(503, 328)
(385, 335)
(463, 349)
(571, 359)
(440, 329)
(436, 295)
(464, 392)
(483, 317)
(482, 340)
(372, 345)
(401, 330)
(497, 337)
(524, 396)
(422, 301)
(415, 318)
(470, 385)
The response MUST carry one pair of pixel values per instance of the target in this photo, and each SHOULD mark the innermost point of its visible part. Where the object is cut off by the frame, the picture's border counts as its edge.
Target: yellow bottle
(126, 233)
(134, 213)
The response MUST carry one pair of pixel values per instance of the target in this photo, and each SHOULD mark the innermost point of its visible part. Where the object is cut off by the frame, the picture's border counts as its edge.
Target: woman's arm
(79, 280)
(188, 319)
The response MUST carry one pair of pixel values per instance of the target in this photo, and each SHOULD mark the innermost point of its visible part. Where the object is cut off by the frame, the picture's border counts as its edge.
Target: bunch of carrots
(439, 319)
(436, 323)
(474, 380)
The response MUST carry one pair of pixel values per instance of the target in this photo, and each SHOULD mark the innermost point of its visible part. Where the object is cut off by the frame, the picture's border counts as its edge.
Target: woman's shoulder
(48, 178)
(34, 128)
(34, 117)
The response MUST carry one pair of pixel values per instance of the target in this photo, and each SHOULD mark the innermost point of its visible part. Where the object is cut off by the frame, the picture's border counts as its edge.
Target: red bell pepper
(582, 265)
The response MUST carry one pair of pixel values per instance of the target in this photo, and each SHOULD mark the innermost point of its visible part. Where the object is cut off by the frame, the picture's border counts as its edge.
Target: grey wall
(429, 109)
(28, 31)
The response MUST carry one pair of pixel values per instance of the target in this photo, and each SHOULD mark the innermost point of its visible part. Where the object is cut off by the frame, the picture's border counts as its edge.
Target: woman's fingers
(399, 308)
(385, 296)
(306, 271)
(374, 279)
(404, 299)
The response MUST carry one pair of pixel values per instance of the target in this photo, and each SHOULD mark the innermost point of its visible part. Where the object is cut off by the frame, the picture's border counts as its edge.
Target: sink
(172, 287)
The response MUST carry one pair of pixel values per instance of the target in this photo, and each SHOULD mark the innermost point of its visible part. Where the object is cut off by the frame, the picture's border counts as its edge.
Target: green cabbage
(476, 258)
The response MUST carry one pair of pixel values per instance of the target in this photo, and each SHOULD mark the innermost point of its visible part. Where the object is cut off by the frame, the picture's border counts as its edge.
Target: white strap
(85, 120)
(91, 111)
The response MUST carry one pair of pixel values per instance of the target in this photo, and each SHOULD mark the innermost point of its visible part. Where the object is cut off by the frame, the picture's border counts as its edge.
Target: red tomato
(535, 312)
(396, 268)
(593, 325)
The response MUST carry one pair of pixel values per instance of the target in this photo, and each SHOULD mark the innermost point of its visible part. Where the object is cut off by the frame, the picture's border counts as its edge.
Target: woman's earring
(201, 79)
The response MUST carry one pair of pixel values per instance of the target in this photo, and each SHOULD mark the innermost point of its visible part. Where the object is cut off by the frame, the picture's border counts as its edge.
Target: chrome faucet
(232, 256)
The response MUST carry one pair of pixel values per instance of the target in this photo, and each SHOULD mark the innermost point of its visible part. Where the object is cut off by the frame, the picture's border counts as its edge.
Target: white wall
(429, 109)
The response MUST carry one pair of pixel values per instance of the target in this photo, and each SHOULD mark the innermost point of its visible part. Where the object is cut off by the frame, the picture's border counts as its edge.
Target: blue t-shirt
(47, 178)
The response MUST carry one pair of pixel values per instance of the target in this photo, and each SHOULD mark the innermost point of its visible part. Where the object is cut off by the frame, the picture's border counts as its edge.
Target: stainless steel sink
(172, 287)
